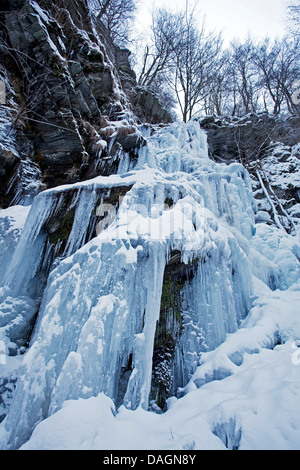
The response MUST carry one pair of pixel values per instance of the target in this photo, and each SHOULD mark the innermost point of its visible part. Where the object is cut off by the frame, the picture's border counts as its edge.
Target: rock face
(247, 138)
(268, 146)
(66, 82)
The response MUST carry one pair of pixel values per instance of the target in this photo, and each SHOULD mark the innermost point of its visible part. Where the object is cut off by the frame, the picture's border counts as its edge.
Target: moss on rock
(60, 229)
(169, 327)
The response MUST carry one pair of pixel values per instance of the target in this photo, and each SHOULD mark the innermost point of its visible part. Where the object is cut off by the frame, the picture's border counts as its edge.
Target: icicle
(26, 258)
(86, 204)
(139, 385)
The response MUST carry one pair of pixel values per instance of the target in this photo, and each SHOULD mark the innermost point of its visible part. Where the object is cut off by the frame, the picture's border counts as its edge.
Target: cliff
(72, 101)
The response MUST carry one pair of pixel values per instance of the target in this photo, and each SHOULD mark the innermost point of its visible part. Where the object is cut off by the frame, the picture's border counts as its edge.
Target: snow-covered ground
(252, 404)
(282, 165)
(248, 395)
(102, 302)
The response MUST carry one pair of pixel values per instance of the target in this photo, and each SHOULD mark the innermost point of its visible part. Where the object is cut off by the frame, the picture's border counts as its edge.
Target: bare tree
(196, 64)
(245, 75)
(158, 58)
(182, 55)
(288, 71)
(293, 17)
(278, 64)
(222, 96)
(265, 58)
(117, 16)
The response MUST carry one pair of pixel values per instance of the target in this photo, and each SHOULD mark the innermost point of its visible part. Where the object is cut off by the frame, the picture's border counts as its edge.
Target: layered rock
(68, 89)
(247, 138)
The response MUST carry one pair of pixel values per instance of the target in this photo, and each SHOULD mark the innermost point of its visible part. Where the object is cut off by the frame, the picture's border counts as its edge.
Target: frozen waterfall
(161, 245)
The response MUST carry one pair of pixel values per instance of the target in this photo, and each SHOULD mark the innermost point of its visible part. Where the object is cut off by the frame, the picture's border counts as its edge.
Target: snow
(263, 216)
(282, 165)
(259, 395)
(294, 211)
(40, 13)
(275, 256)
(16, 216)
(238, 352)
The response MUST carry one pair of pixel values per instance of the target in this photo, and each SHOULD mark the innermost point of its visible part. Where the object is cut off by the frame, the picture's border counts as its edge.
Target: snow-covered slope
(177, 258)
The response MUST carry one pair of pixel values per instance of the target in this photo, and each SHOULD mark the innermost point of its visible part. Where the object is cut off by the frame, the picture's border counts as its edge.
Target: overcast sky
(236, 18)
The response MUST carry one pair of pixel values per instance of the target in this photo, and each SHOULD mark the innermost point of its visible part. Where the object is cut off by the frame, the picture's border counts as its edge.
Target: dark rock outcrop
(166, 372)
(67, 81)
(247, 138)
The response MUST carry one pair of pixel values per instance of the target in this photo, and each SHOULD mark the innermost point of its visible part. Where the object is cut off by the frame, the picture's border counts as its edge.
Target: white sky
(236, 18)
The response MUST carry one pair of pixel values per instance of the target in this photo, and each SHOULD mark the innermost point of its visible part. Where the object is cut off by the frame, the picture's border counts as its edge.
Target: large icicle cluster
(99, 311)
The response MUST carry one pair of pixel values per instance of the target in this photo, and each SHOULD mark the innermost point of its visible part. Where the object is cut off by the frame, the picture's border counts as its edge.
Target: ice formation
(100, 281)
